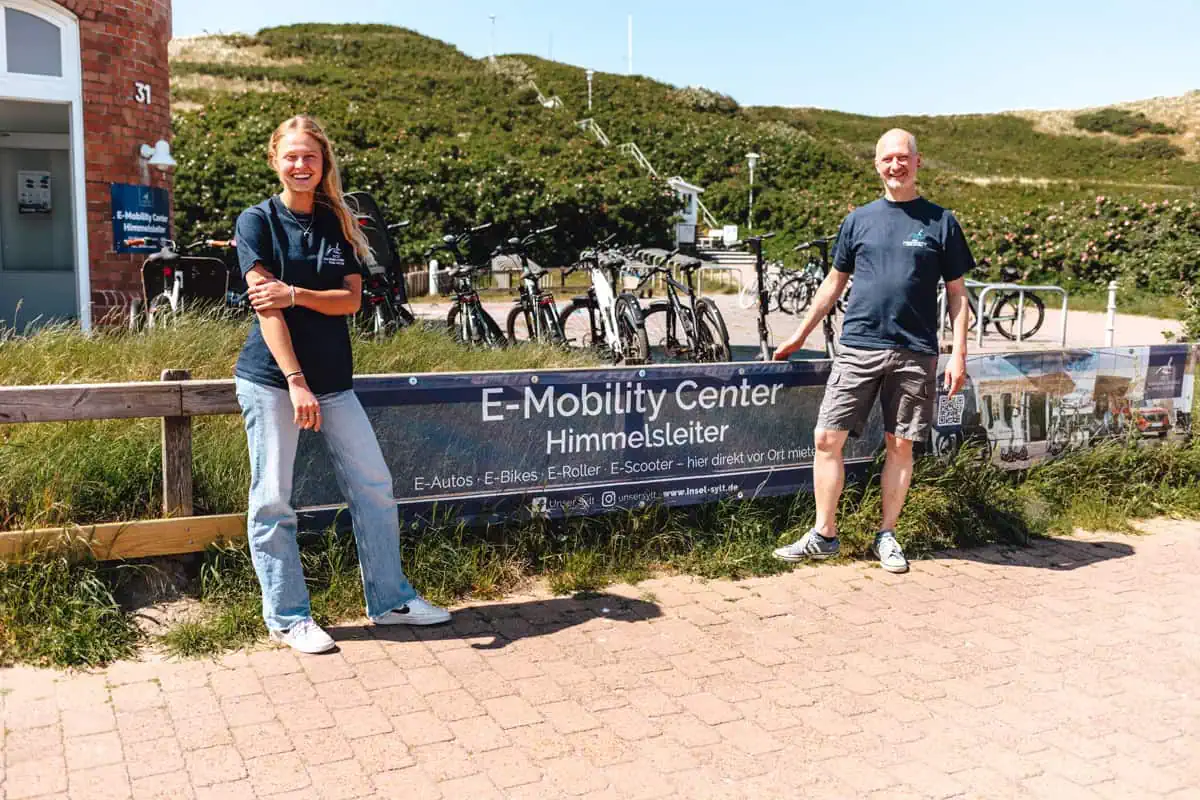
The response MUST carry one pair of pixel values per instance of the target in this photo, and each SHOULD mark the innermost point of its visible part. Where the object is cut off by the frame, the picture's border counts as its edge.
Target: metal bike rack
(980, 305)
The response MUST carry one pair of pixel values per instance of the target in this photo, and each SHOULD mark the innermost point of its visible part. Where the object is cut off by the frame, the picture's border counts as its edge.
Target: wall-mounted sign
(141, 92)
(139, 212)
(33, 192)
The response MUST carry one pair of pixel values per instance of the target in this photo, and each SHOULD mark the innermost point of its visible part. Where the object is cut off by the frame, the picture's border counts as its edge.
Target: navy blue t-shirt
(272, 235)
(897, 253)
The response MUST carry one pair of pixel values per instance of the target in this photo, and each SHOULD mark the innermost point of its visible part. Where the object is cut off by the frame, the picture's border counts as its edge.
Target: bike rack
(1020, 289)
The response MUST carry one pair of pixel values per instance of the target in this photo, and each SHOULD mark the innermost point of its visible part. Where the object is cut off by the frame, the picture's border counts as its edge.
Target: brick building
(83, 85)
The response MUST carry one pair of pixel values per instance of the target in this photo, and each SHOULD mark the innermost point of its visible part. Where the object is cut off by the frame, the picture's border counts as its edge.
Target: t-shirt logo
(916, 240)
(333, 255)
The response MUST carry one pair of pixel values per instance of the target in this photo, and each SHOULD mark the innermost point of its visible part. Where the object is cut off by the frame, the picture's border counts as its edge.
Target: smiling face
(897, 161)
(299, 162)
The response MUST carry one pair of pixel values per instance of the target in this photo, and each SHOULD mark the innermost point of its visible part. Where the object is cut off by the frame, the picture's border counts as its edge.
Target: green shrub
(1120, 122)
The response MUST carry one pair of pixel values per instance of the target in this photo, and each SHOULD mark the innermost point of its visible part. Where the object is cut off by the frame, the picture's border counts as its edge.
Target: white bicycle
(603, 319)
(173, 278)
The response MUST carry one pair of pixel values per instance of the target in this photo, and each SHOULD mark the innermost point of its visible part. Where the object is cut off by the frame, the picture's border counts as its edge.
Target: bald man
(898, 248)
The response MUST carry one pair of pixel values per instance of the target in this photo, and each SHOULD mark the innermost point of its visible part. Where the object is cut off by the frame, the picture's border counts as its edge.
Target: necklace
(305, 231)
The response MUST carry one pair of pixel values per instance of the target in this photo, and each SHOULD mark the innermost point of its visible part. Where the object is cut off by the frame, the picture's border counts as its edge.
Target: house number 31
(141, 92)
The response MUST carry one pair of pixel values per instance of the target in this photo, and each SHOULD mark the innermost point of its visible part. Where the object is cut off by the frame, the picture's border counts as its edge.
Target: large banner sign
(494, 445)
(497, 445)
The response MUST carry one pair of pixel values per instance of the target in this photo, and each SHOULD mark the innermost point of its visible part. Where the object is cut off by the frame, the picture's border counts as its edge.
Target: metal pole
(492, 54)
(1021, 315)
(589, 80)
(1110, 325)
(433, 272)
(750, 211)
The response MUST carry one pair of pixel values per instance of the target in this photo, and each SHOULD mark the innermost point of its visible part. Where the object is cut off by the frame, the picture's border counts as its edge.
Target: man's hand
(304, 403)
(270, 294)
(956, 373)
(789, 346)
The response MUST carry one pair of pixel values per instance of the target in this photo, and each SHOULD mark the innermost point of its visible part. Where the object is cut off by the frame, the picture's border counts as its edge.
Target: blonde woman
(300, 252)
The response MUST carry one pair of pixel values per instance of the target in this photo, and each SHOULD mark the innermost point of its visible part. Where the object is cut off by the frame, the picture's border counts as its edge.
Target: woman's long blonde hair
(329, 191)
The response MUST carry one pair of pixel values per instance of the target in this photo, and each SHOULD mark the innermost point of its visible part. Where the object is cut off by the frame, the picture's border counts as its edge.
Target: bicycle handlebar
(819, 243)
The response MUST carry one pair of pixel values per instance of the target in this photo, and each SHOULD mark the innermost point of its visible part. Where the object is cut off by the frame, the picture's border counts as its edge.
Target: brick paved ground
(1070, 669)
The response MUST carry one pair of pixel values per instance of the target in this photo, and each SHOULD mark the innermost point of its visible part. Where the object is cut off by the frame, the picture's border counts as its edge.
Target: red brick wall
(121, 41)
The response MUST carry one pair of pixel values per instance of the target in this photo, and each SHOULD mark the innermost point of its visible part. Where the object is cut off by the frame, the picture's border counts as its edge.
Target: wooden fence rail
(176, 400)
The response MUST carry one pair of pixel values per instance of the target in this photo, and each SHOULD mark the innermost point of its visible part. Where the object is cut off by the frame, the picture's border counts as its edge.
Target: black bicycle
(692, 331)
(468, 321)
(534, 315)
(1005, 309)
(755, 245)
(831, 325)
(603, 320)
(797, 290)
(384, 304)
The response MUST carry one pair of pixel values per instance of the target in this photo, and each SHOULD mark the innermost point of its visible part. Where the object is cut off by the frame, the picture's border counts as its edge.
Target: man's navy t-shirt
(897, 253)
(272, 235)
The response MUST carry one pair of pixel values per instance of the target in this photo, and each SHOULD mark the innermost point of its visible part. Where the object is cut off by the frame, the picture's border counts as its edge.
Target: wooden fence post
(177, 457)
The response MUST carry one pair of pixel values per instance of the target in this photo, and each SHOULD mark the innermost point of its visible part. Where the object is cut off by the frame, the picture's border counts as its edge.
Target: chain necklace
(305, 231)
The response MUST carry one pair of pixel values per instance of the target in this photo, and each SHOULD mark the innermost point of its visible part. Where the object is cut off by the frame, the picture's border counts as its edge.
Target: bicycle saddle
(1009, 274)
(687, 263)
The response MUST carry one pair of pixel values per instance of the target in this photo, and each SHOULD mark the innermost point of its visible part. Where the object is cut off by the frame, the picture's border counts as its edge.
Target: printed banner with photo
(491, 446)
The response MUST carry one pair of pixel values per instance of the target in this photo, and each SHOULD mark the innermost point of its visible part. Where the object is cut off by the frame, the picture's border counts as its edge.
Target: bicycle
(534, 315)
(772, 279)
(383, 309)
(755, 244)
(604, 320)
(1004, 310)
(706, 338)
(796, 293)
(468, 321)
(173, 279)
(831, 325)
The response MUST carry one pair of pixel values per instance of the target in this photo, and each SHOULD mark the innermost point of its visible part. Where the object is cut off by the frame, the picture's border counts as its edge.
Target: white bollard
(433, 271)
(1110, 325)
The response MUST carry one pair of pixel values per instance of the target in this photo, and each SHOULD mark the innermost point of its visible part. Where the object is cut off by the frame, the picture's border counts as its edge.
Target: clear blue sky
(871, 57)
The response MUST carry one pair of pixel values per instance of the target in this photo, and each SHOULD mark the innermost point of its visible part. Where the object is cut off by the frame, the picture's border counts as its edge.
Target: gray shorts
(905, 382)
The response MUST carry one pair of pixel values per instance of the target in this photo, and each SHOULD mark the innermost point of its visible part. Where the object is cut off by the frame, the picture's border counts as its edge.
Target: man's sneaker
(305, 636)
(810, 545)
(414, 612)
(891, 557)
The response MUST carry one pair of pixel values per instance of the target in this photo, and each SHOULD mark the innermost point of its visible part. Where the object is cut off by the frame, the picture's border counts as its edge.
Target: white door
(43, 230)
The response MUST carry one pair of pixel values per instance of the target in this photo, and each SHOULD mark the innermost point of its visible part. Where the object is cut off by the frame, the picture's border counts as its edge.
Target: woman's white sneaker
(305, 636)
(414, 612)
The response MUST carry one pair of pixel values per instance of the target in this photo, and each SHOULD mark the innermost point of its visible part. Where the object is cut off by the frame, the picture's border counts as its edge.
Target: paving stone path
(1070, 669)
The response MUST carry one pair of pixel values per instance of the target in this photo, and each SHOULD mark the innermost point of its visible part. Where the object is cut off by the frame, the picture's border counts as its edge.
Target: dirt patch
(1181, 112)
(220, 83)
(224, 50)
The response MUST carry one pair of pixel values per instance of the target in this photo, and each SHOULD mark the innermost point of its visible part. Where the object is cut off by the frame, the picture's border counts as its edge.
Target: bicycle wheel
(710, 330)
(456, 325)
(631, 327)
(487, 331)
(1005, 315)
(521, 326)
(159, 313)
(380, 326)
(794, 296)
(662, 329)
(576, 324)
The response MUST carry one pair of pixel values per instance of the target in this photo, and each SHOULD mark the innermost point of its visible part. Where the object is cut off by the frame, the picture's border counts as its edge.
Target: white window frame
(66, 90)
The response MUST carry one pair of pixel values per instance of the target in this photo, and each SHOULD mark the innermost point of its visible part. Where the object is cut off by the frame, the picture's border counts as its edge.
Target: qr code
(950, 410)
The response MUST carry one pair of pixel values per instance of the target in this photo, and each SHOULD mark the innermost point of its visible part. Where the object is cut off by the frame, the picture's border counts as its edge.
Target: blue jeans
(365, 482)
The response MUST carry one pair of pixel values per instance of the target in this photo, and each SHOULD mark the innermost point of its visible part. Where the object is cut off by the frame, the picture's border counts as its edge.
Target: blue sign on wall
(139, 212)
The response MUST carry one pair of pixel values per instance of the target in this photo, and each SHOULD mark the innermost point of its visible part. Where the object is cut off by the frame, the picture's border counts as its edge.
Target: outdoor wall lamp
(158, 156)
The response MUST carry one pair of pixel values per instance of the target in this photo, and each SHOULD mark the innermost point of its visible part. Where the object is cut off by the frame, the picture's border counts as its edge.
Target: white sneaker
(414, 612)
(305, 636)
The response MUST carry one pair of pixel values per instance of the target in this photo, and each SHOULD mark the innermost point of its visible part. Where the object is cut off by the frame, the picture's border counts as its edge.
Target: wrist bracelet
(299, 372)
(292, 289)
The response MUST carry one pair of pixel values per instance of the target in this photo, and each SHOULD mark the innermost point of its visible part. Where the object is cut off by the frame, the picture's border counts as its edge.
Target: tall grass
(108, 471)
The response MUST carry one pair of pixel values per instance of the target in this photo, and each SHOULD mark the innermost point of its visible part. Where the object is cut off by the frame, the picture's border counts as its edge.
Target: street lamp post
(492, 54)
(751, 159)
(589, 74)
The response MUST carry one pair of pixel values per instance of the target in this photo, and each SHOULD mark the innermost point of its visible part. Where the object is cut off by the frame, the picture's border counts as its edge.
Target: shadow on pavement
(1052, 553)
(504, 623)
